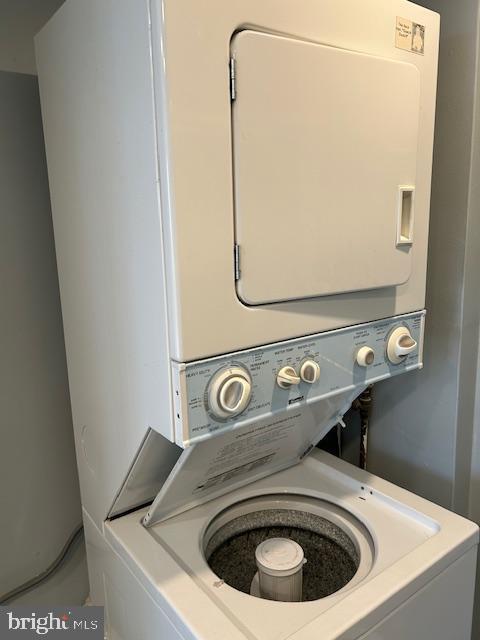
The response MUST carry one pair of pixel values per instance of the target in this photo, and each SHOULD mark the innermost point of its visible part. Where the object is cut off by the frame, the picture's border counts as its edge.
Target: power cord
(34, 582)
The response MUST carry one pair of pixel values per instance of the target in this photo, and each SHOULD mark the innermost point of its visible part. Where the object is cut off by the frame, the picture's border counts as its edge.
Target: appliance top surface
(199, 173)
(413, 541)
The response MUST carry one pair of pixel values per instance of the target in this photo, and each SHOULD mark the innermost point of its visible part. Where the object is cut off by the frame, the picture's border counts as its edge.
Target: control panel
(218, 394)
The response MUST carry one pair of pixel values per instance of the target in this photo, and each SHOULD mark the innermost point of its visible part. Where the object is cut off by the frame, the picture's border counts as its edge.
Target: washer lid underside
(240, 456)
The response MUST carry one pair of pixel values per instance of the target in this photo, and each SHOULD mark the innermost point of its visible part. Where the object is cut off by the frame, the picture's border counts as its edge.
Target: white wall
(20, 20)
(39, 495)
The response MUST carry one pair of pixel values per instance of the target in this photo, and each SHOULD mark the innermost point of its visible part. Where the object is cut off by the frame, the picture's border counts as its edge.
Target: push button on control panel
(365, 357)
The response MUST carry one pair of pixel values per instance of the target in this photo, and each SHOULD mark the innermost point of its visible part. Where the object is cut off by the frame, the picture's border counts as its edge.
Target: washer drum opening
(338, 549)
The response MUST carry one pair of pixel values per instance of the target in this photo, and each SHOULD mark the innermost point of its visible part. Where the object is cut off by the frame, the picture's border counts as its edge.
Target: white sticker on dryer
(410, 36)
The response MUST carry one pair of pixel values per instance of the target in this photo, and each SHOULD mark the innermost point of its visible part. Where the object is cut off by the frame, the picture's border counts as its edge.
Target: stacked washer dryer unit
(240, 198)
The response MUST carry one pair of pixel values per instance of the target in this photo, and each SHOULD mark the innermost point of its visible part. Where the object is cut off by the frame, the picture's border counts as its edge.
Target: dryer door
(325, 145)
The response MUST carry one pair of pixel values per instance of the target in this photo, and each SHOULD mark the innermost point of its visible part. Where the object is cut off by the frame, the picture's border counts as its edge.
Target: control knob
(229, 392)
(400, 344)
(310, 371)
(287, 377)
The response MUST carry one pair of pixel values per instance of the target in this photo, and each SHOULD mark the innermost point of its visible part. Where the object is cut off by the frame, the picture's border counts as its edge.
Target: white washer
(415, 579)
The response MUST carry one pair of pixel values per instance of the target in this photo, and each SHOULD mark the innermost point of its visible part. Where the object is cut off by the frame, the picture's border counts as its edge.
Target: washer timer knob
(229, 392)
(400, 344)
(287, 377)
(365, 356)
(310, 371)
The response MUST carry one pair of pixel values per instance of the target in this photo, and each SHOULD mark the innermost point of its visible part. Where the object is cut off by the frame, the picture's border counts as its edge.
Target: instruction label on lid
(211, 468)
(410, 36)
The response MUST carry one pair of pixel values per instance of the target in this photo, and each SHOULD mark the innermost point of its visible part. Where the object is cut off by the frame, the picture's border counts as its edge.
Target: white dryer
(240, 196)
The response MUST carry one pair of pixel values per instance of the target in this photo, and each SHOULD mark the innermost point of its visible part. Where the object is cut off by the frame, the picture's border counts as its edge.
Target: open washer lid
(324, 164)
(238, 457)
